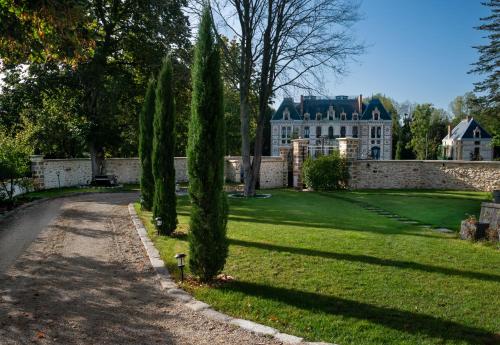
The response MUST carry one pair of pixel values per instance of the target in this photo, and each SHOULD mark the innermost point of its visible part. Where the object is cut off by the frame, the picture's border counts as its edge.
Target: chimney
(360, 104)
(301, 104)
(469, 118)
(449, 131)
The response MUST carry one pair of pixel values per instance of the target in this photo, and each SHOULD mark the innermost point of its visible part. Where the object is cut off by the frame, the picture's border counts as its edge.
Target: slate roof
(293, 108)
(465, 130)
(375, 103)
(340, 104)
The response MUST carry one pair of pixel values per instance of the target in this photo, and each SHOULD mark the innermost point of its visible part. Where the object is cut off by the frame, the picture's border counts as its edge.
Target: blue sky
(418, 50)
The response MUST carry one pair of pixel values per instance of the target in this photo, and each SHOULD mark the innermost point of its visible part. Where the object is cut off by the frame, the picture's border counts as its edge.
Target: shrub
(14, 164)
(326, 172)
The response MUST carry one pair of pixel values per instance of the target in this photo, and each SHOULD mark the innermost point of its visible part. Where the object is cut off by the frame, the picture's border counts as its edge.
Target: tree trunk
(96, 159)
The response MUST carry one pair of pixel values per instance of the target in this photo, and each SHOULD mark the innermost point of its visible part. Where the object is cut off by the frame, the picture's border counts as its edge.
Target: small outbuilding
(468, 141)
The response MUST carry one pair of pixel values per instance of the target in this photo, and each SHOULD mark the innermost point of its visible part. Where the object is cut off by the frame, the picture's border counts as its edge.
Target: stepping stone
(425, 226)
(410, 222)
(444, 230)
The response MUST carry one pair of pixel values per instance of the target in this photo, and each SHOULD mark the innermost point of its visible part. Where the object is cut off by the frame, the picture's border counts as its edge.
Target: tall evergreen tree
(164, 202)
(146, 146)
(489, 58)
(206, 145)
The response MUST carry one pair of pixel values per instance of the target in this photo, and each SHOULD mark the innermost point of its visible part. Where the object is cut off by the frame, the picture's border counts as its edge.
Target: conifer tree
(164, 202)
(207, 238)
(146, 146)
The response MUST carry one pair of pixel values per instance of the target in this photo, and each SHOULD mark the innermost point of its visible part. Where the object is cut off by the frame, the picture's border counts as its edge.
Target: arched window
(355, 116)
(318, 116)
(372, 132)
(306, 132)
(342, 132)
(330, 132)
(318, 131)
(306, 116)
(379, 132)
(343, 116)
(355, 131)
(376, 114)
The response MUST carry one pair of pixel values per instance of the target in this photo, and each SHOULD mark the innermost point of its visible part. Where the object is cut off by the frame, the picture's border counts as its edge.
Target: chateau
(323, 120)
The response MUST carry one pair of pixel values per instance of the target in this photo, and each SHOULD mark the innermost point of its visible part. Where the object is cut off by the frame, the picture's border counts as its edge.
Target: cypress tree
(146, 146)
(164, 201)
(208, 244)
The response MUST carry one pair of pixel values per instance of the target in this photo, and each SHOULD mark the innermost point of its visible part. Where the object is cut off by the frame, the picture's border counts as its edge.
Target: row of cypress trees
(208, 246)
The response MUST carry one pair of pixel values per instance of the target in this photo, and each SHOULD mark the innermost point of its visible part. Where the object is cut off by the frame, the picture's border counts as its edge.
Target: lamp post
(159, 223)
(180, 263)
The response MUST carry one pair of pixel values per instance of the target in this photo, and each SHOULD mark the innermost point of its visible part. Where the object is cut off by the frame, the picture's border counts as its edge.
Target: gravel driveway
(86, 280)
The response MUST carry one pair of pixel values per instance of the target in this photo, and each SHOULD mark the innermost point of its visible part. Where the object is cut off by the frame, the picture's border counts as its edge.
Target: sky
(417, 50)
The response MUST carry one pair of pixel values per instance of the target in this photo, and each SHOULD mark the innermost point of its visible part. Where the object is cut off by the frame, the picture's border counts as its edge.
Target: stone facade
(483, 176)
(322, 120)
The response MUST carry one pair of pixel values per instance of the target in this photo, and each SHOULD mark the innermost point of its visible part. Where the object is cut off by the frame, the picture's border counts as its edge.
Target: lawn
(321, 267)
(436, 208)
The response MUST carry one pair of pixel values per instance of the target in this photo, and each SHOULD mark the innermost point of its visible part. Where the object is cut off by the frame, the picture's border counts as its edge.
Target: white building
(326, 119)
(468, 141)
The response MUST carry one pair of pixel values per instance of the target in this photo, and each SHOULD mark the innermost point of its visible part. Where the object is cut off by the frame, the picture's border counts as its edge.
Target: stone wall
(272, 171)
(461, 175)
(55, 173)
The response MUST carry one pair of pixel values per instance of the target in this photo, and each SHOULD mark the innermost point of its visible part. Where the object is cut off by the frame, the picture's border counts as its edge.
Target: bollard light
(159, 223)
(180, 263)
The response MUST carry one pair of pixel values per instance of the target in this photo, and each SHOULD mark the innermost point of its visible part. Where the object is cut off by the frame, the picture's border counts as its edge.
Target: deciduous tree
(283, 44)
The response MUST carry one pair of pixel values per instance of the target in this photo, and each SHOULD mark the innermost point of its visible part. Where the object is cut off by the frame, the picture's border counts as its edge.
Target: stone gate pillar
(299, 155)
(38, 171)
(349, 148)
(286, 155)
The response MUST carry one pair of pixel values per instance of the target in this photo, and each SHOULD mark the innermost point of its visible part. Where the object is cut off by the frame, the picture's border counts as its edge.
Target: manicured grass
(436, 208)
(321, 267)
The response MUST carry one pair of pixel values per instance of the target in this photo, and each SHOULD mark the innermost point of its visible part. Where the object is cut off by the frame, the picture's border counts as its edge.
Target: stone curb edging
(190, 302)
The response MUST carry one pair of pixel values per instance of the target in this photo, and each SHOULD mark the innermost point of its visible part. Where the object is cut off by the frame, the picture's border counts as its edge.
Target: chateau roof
(375, 103)
(313, 105)
(465, 130)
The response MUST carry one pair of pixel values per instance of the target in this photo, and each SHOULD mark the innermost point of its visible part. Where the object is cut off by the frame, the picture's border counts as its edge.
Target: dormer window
(286, 114)
(343, 116)
(318, 116)
(331, 113)
(355, 116)
(477, 133)
(307, 116)
(376, 114)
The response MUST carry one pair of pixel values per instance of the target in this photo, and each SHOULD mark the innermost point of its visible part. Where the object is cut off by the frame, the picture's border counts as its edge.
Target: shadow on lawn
(369, 260)
(395, 228)
(400, 320)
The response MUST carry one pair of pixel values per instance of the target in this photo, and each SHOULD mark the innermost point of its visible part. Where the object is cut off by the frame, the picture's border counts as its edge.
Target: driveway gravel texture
(85, 279)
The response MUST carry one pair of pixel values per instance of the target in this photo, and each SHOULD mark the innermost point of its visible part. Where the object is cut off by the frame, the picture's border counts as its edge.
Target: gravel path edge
(190, 302)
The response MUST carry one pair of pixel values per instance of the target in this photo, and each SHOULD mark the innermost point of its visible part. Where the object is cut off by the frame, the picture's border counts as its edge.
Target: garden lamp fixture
(180, 263)
(159, 223)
